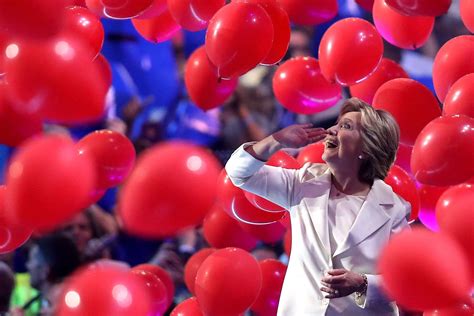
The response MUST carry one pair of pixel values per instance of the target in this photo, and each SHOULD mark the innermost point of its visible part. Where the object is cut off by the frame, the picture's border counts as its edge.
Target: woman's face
(343, 144)
(79, 228)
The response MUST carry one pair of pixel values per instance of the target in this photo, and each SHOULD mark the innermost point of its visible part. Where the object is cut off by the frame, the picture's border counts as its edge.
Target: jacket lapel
(371, 216)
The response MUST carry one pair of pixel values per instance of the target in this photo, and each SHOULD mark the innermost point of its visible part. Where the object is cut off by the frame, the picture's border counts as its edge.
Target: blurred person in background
(7, 283)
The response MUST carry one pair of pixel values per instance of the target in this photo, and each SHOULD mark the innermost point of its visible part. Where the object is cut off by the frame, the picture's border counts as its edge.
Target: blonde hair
(380, 137)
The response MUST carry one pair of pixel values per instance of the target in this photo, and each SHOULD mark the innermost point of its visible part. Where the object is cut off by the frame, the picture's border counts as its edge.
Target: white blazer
(304, 193)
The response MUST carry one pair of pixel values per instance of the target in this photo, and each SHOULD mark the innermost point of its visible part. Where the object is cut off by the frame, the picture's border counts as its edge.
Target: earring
(360, 157)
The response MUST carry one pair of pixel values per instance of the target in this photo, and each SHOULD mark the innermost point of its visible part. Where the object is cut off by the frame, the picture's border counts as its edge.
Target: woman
(342, 213)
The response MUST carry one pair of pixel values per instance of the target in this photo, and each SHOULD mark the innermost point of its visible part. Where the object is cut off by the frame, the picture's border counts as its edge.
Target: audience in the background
(7, 282)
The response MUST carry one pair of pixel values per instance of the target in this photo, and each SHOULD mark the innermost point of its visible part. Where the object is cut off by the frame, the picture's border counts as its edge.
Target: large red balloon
(278, 159)
(205, 89)
(308, 12)
(234, 202)
(281, 30)
(415, 31)
(350, 51)
(403, 157)
(125, 9)
(417, 275)
(455, 215)
(163, 275)
(467, 14)
(228, 282)
(273, 274)
(411, 104)
(48, 182)
(192, 266)
(460, 97)
(155, 288)
(312, 153)
(156, 8)
(386, 71)
(113, 155)
(420, 7)
(220, 231)
(86, 26)
(32, 19)
(429, 195)
(403, 185)
(157, 29)
(172, 187)
(16, 127)
(443, 153)
(194, 15)
(65, 86)
(107, 290)
(453, 61)
(11, 236)
(96, 7)
(457, 310)
(188, 307)
(300, 86)
(106, 71)
(239, 37)
(269, 233)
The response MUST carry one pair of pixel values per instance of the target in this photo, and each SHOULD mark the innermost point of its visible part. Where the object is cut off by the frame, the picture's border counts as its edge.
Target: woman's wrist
(265, 148)
(362, 289)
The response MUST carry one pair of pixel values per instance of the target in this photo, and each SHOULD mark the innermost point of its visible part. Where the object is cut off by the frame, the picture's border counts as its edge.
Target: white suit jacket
(304, 193)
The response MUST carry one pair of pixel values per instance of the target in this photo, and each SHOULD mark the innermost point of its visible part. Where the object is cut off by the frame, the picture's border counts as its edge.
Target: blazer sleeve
(273, 183)
(374, 298)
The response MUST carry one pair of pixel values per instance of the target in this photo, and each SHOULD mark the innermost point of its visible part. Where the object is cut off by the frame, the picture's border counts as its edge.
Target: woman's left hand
(341, 282)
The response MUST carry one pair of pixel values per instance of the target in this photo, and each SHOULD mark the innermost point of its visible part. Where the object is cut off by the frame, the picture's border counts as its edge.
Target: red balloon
(386, 71)
(192, 266)
(115, 291)
(16, 127)
(429, 195)
(234, 202)
(156, 290)
(188, 307)
(308, 12)
(312, 153)
(239, 37)
(273, 274)
(4, 42)
(415, 31)
(65, 87)
(194, 15)
(454, 213)
(205, 89)
(279, 159)
(286, 220)
(32, 19)
(186, 176)
(420, 7)
(443, 153)
(403, 157)
(85, 25)
(81, 3)
(96, 7)
(417, 275)
(460, 97)
(300, 86)
(350, 51)
(457, 310)
(269, 233)
(453, 61)
(220, 231)
(411, 104)
(281, 30)
(403, 185)
(104, 67)
(163, 276)
(156, 8)
(157, 29)
(367, 5)
(125, 9)
(467, 14)
(11, 236)
(113, 155)
(228, 282)
(48, 182)
(287, 242)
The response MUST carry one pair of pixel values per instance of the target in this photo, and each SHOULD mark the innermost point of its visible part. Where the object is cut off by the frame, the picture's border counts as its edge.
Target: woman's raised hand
(299, 135)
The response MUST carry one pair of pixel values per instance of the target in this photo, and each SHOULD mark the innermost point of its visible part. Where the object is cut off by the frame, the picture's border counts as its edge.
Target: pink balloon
(429, 195)
(300, 86)
(420, 7)
(188, 307)
(308, 12)
(403, 185)
(467, 14)
(350, 51)
(453, 61)
(460, 97)
(157, 29)
(417, 275)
